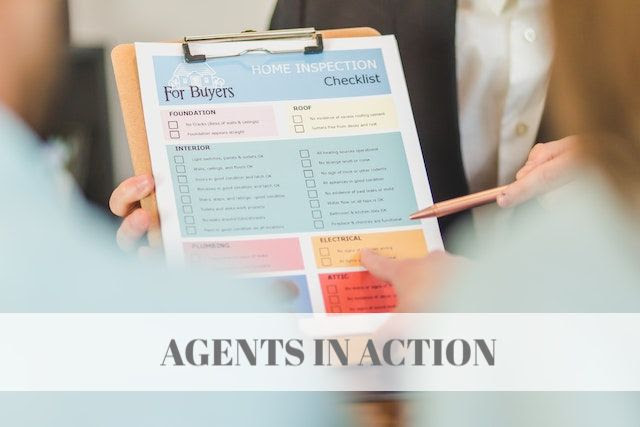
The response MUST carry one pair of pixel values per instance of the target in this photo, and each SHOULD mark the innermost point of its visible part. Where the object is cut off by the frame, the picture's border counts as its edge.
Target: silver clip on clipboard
(316, 44)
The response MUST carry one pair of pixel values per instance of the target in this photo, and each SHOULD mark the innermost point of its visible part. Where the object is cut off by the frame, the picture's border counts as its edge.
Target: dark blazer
(425, 30)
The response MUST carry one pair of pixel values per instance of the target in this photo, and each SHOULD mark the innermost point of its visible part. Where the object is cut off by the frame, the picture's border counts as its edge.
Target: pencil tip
(425, 213)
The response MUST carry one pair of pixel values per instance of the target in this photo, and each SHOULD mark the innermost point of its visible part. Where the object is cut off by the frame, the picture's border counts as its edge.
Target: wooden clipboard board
(125, 68)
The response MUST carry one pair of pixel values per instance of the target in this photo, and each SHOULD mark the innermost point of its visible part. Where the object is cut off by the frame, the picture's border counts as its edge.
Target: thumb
(541, 179)
(381, 267)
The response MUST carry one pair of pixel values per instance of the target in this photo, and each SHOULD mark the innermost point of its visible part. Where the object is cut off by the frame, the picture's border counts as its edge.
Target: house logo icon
(198, 75)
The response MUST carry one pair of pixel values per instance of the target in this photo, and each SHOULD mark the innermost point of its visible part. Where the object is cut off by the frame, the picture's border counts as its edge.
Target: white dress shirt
(504, 53)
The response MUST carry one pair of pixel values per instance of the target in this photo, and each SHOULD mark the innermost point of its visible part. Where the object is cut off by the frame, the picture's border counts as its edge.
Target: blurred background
(88, 131)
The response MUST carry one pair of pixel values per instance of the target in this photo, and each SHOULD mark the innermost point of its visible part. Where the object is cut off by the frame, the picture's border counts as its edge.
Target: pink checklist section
(248, 256)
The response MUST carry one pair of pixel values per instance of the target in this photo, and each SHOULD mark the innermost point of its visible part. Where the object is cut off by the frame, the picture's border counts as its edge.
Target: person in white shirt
(477, 72)
(504, 55)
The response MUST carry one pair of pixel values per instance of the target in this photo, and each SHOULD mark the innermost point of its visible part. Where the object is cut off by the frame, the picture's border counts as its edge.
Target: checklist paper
(282, 167)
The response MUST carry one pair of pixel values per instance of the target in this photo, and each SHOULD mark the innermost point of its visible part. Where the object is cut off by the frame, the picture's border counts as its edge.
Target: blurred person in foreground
(578, 255)
(56, 257)
(55, 252)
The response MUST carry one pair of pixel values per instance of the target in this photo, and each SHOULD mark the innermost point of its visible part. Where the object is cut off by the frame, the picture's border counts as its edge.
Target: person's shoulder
(577, 255)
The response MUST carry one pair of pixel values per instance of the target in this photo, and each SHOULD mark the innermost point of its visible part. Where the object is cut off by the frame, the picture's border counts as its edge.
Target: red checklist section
(356, 292)
(248, 256)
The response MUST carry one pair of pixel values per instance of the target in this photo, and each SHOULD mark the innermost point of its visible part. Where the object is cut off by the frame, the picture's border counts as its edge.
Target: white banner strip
(399, 352)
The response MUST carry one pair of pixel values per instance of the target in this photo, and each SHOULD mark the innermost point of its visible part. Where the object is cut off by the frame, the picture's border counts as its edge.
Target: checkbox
(332, 289)
(182, 179)
(189, 220)
(306, 163)
(191, 231)
(334, 299)
(186, 200)
(319, 225)
(316, 214)
(297, 118)
(299, 129)
(314, 204)
(313, 194)
(188, 209)
(184, 188)
(178, 159)
(304, 154)
(181, 169)
(311, 183)
(336, 309)
(173, 125)
(326, 262)
(324, 251)
(308, 174)
(174, 134)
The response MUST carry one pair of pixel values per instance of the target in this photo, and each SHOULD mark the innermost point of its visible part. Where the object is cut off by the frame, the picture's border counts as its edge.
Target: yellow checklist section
(344, 250)
(342, 116)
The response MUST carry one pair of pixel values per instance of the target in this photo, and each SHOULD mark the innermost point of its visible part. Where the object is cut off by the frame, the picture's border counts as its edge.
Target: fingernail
(140, 220)
(502, 200)
(365, 254)
(143, 183)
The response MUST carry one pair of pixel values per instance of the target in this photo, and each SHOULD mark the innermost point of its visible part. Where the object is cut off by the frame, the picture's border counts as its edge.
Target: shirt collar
(14, 131)
(17, 139)
(496, 6)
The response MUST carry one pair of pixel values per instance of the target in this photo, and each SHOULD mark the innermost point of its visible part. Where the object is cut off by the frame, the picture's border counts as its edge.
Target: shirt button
(521, 129)
(530, 35)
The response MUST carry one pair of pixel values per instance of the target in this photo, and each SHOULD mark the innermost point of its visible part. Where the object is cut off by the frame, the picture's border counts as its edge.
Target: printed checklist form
(285, 166)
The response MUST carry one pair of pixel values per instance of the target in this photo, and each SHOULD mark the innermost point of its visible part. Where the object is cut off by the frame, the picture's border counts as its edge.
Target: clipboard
(125, 68)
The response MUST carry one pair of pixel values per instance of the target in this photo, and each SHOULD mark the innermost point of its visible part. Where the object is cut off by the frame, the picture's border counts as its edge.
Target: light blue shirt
(56, 256)
(579, 256)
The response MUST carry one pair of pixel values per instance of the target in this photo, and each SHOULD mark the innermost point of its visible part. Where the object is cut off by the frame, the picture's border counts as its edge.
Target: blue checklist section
(290, 186)
(280, 77)
(294, 290)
